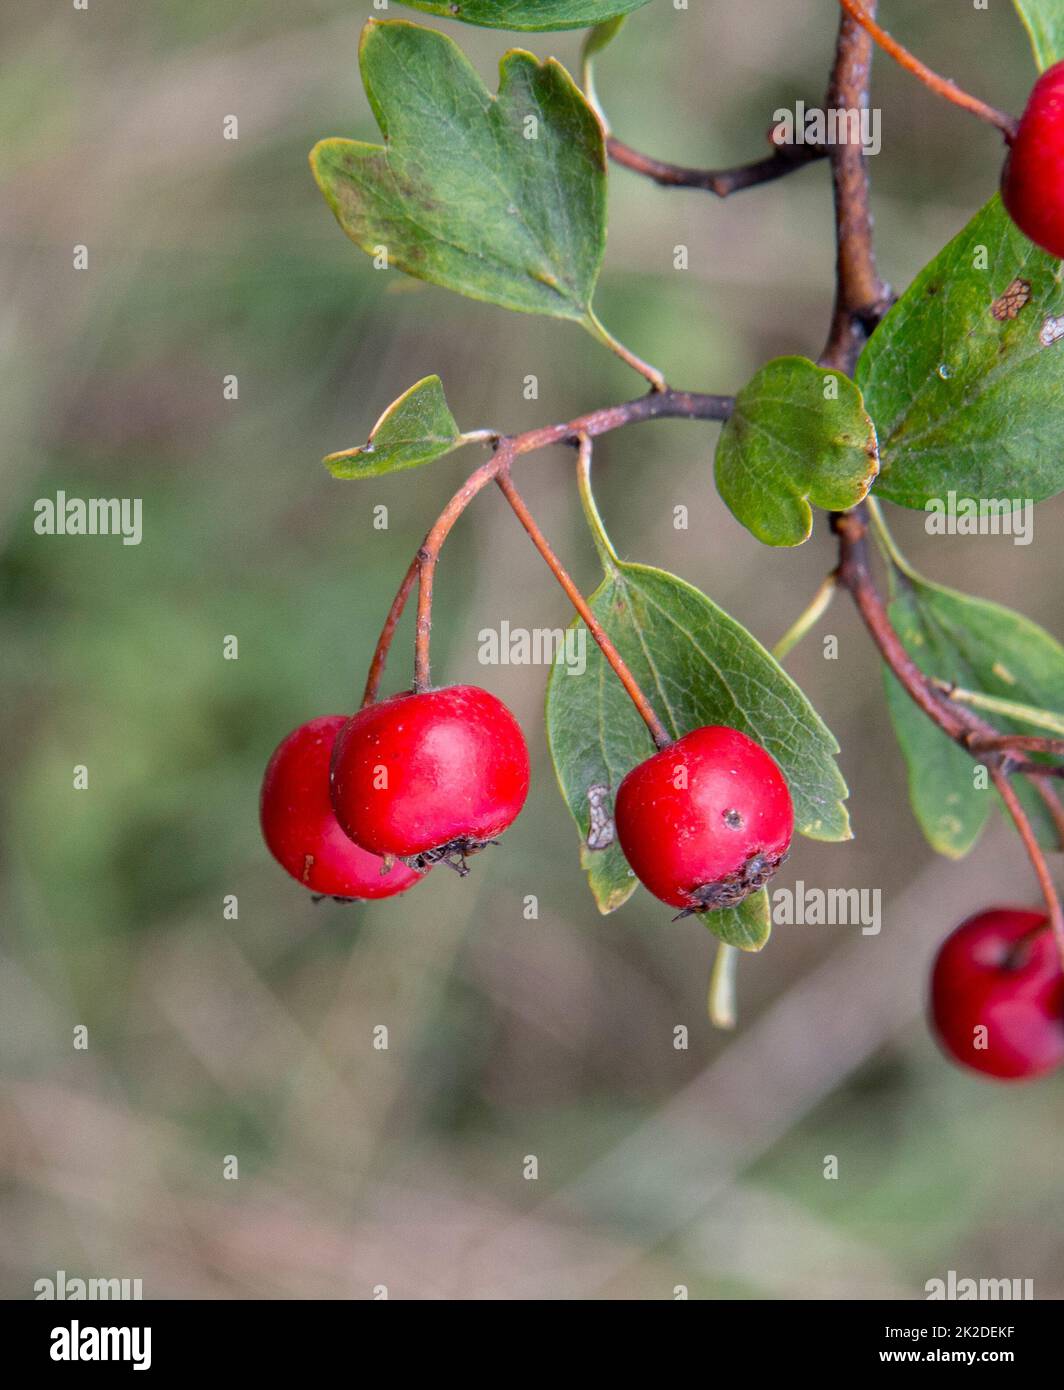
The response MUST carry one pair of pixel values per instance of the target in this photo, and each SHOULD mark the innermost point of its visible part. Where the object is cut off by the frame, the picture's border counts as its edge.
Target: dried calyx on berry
(706, 821)
(431, 777)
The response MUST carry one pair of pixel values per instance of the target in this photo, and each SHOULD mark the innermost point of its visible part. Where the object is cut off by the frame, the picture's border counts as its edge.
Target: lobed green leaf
(501, 198)
(798, 434)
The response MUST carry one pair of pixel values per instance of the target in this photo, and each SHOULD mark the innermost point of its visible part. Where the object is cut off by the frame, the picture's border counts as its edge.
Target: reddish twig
(429, 554)
(1008, 795)
(688, 405)
(658, 732)
(1026, 743)
(384, 641)
(783, 160)
(855, 575)
(864, 15)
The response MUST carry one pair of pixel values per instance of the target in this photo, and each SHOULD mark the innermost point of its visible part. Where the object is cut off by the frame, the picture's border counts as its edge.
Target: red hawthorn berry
(997, 995)
(300, 829)
(706, 821)
(432, 776)
(1032, 182)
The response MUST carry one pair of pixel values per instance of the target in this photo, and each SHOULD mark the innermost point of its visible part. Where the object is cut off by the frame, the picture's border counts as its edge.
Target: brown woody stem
(721, 182)
(861, 298)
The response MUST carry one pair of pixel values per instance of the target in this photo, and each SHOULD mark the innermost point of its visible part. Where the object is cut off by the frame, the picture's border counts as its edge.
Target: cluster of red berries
(363, 807)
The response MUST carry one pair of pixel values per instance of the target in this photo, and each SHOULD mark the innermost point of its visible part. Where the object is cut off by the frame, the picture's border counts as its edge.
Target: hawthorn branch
(854, 574)
(861, 298)
(687, 405)
(783, 160)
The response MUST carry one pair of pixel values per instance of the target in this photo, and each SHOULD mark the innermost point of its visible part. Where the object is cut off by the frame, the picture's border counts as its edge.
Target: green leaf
(528, 14)
(798, 434)
(415, 429)
(697, 666)
(1044, 20)
(979, 646)
(499, 198)
(964, 376)
(747, 926)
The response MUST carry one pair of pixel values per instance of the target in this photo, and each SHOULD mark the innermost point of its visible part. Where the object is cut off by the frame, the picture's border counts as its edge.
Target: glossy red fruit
(1032, 183)
(997, 995)
(300, 829)
(706, 821)
(430, 777)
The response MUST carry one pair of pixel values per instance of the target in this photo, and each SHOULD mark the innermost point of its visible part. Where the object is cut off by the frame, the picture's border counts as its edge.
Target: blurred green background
(405, 1168)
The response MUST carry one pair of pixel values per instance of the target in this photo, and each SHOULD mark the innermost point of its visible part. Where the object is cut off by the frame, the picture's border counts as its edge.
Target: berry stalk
(427, 557)
(1008, 795)
(667, 404)
(941, 86)
(658, 732)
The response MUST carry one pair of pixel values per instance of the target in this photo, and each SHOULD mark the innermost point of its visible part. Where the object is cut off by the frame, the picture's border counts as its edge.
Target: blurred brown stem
(783, 160)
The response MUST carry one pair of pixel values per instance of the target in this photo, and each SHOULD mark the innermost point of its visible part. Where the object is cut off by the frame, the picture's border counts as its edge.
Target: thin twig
(1034, 852)
(688, 405)
(1021, 743)
(429, 554)
(784, 159)
(658, 732)
(855, 575)
(384, 641)
(863, 14)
